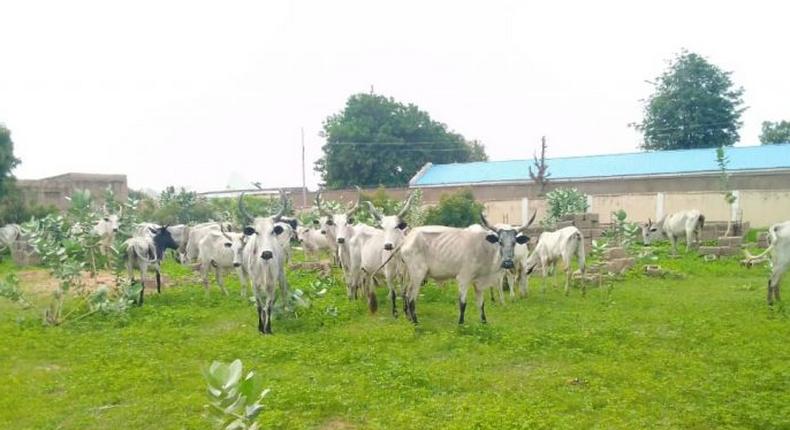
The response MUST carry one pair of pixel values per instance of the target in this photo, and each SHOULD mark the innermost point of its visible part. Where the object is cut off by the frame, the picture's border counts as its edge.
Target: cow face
(341, 225)
(163, 240)
(107, 225)
(237, 244)
(650, 232)
(395, 230)
(507, 238)
(263, 239)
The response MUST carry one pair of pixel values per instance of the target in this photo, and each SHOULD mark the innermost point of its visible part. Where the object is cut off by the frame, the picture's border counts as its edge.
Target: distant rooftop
(655, 163)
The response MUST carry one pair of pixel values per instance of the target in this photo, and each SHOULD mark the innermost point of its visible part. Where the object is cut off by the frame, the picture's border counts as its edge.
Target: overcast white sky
(196, 93)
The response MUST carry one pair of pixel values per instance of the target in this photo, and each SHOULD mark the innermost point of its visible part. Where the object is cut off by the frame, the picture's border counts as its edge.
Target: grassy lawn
(701, 350)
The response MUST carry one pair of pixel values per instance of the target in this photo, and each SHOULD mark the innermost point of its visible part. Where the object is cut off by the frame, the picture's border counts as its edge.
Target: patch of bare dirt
(337, 424)
(41, 282)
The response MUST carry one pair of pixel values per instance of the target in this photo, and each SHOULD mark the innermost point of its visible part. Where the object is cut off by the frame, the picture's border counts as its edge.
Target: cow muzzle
(341, 240)
(267, 255)
(115, 230)
(388, 247)
(507, 264)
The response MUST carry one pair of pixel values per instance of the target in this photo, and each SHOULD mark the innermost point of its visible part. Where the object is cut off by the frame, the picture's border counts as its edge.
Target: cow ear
(316, 222)
(228, 244)
(106, 219)
(402, 225)
(491, 237)
(278, 229)
(292, 223)
(249, 231)
(330, 222)
(351, 220)
(522, 239)
(153, 230)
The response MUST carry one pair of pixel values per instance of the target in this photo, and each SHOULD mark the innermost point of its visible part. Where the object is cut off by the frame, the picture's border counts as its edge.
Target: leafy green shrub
(234, 403)
(564, 201)
(456, 210)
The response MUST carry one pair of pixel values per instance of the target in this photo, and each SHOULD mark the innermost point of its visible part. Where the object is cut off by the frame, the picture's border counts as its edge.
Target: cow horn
(246, 217)
(406, 205)
(529, 223)
(283, 204)
(222, 230)
(321, 210)
(649, 222)
(356, 204)
(373, 211)
(485, 222)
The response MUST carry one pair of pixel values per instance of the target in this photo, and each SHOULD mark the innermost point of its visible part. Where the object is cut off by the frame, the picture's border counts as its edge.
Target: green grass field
(702, 350)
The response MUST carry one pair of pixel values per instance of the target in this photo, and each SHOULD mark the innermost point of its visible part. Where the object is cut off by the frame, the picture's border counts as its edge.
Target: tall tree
(695, 105)
(775, 132)
(378, 141)
(7, 161)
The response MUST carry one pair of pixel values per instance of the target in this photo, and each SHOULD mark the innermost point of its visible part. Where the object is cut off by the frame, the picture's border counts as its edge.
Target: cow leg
(463, 287)
(392, 294)
(204, 276)
(773, 284)
(242, 282)
(480, 297)
(142, 285)
(220, 281)
(158, 281)
(267, 323)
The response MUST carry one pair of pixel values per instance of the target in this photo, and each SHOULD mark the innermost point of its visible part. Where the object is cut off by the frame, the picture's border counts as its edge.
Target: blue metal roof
(764, 157)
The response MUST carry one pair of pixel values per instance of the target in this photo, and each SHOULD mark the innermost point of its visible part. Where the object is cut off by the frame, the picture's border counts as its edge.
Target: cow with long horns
(471, 257)
(264, 259)
(339, 229)
(377, 251)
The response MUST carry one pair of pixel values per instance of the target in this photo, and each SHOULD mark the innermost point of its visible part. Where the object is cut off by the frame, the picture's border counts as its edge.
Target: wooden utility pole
(304, 180)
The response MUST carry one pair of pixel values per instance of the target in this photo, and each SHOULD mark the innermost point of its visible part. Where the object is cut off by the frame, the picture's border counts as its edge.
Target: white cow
(9, 234)
(674, 226)
(106, 228)
(193, 235)
(365, 240)
(554, 246)
(339, 228)
(377, 250)
(468, 256)
(312, 240)
(779, 249)
(264, 260)
(220, 250)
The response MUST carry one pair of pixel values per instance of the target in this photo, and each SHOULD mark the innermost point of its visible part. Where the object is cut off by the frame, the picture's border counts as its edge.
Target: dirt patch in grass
(41, 282)
(337, 424)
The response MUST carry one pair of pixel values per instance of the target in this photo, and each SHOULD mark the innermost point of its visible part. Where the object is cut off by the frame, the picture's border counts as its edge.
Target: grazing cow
(468, 256)
(688, 223)
(9, 234)
(339, 228)
(264, 260)
(148, 251)
(377, 250)
(312, 240)
(779, 249)
(362, 237)
(554, 246)
(220, 250)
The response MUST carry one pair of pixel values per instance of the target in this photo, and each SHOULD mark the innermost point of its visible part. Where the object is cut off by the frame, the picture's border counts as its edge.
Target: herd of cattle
(391, 252)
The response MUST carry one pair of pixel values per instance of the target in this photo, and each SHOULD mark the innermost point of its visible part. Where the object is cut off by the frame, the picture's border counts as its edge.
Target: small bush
(234, 402)
(455, 210)
(564, 201)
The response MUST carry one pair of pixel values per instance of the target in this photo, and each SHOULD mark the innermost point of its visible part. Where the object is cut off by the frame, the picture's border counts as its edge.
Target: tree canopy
(775, 132)
(695, 105)
(7, 160)
(376, 141)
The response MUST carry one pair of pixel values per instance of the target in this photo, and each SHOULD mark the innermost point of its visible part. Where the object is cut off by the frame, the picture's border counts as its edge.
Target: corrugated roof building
(644, 184)
(765, 158)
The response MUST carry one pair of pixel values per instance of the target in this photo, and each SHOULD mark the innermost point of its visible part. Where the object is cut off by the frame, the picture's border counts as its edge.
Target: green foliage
(14, 208)
(563, 201)
(775, 132)
(458, 209)
(182, 207)
(378, 141)
(234, 403)
(695, 105)
(9, 289)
